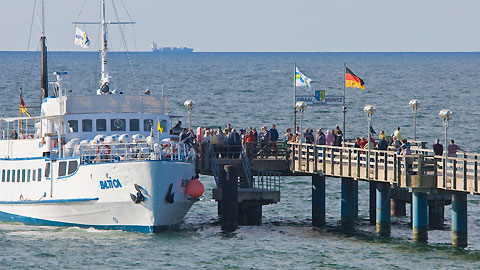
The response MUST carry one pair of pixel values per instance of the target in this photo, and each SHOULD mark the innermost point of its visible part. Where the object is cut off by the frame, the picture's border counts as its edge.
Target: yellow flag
(159, 127)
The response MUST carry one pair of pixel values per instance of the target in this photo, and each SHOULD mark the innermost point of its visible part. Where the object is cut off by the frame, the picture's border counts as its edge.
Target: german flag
(352, 80)
(23, 108)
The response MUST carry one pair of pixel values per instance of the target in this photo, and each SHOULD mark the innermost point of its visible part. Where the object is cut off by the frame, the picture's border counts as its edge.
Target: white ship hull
(79, 200)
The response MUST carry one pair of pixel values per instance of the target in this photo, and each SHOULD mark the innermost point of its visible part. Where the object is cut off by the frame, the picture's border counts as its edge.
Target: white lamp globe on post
(446, 115)
(369, 110)
(189, 104)
(414, 104)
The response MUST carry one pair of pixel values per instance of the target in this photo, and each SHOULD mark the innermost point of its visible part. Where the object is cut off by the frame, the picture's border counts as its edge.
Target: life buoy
(104, 149)
(27, 136)
(21, 197)
(168, 150)
(54, 143)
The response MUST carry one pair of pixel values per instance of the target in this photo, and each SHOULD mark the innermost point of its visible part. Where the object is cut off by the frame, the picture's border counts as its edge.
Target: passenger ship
(95, 161)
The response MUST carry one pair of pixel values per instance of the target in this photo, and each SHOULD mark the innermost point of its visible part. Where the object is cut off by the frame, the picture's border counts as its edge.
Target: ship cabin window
(18, 176)
(62, 168)
(34, 175)
(87, 125)
(47, 170)
(72, 166)
(73, 126)
(23, 175)
(8, 175)
(117, 125)
(147, 125)
(13, 176)
(39, 175)
(28, 175)
(3, 175)
(101, 125)
(134, 125)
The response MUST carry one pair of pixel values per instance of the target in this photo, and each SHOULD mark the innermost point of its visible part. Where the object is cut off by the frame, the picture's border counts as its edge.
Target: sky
(255, 25)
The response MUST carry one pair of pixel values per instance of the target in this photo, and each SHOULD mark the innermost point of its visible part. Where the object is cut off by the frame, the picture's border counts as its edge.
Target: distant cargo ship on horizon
(170, 49)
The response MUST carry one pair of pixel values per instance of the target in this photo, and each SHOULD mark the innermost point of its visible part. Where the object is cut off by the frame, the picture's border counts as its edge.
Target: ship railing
(119, 152)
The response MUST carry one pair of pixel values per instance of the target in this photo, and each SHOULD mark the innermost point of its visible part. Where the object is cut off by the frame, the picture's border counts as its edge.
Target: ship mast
(105, 76)
(104, 47)
(43, 44)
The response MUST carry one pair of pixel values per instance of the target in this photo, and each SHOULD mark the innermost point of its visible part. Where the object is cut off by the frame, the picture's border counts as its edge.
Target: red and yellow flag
(352, 80)
(23, 108)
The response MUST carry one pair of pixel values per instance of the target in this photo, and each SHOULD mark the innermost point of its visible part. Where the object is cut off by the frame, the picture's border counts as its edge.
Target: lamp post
(189, 104)
(369, 110)
(414, 104)
(301, 106)
(445, 114)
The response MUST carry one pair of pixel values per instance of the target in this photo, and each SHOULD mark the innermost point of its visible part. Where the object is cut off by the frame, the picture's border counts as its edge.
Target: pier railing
(267, 180)
(420, 170)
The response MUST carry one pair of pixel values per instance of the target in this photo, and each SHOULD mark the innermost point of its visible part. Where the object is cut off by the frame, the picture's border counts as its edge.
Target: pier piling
(373, 202)
(398, 208)
(318, 200)
(420, 218)
(459, 220)
(229, 205)
(436, 214)
(348, 204)
(250, 215)
(383, 209)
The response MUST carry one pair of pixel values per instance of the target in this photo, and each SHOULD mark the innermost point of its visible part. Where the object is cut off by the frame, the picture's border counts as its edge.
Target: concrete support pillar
(383, 209)
(249, 215)
(420, 218)
(229, 205)
(459, 220)
(373, 203)
(348, 204)
(436, 214)
(398, 208)
(318, 200)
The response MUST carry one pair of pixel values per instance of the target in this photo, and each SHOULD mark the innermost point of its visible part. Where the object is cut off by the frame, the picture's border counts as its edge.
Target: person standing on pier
(255, 133)
(234, 144)
(437, 148)
(382, 144)
(273, 133)
(382, 135)
(221, 143)
(320, 137)
(228, 129)
(289, 136)
(330, 139)
(273, 138)
(453, 148)
(397, 134)
(338, 136)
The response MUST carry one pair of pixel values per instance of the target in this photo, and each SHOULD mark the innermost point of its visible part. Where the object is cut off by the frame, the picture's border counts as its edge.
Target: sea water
(256, 89)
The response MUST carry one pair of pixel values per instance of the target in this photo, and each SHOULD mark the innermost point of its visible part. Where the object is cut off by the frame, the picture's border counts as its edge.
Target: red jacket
(250, 138)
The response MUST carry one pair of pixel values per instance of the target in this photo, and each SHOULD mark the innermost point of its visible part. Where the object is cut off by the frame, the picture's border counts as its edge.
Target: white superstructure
(106, 161)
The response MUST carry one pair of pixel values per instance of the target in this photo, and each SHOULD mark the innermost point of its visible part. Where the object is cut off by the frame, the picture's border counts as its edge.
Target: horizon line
(148, 51)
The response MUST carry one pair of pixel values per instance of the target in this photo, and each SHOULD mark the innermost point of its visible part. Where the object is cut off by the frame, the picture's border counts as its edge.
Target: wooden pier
(426, 181)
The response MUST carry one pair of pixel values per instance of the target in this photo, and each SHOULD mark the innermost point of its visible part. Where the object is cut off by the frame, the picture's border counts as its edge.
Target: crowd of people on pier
(228, 142)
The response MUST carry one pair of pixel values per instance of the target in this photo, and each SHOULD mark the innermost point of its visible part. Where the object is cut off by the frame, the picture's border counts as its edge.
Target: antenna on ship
(105, 76)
